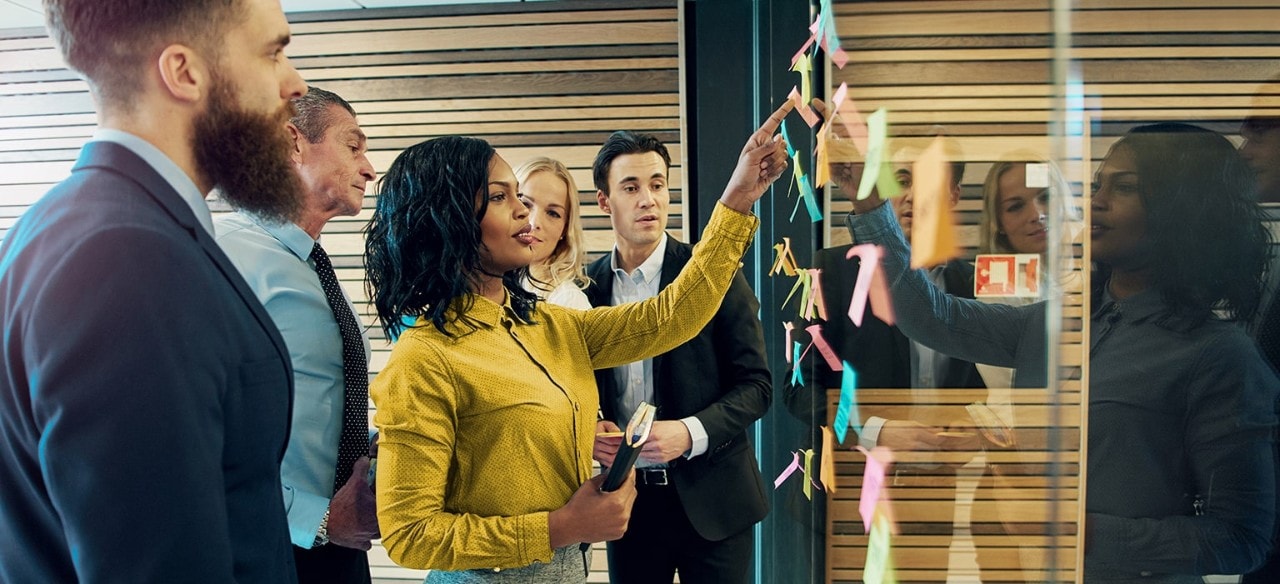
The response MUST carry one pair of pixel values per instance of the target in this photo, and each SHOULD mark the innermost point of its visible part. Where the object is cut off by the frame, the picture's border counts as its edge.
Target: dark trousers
(660, 540)
(331, 564)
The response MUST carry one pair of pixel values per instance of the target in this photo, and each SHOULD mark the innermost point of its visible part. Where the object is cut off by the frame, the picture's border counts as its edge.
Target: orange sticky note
(827, 474)
(933, 238)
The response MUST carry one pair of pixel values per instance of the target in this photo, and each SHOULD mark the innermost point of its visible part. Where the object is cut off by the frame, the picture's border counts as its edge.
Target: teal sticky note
(847, 410)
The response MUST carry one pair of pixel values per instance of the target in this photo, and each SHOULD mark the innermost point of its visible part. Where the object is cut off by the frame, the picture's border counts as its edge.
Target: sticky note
(932, 235)
(879, 568)
(870, 261)
(810, 199)
(786, 472)
(854, 126)
(827, 474)
(797, 379)
(808, 472)
(1037, 175)
(878, 294)
(877, 128)
(824, 349)
(873, 482)
(818, 299)
(847, 409)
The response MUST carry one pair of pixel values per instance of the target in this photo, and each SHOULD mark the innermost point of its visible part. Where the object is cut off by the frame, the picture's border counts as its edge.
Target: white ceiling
(24, 13)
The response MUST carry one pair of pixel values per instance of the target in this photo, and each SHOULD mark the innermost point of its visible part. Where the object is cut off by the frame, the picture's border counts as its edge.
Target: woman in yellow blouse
(487, 406)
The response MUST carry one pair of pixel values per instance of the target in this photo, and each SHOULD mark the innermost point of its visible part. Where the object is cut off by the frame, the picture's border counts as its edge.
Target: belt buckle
(655, 477)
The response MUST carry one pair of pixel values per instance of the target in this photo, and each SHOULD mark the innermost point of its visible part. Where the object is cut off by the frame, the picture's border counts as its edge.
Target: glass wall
(1068, 389)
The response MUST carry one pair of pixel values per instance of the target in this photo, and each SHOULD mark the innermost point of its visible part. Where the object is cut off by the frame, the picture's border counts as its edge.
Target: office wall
(540, 78)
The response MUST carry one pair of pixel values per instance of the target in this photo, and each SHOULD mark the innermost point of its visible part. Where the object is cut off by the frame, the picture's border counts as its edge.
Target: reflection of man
(1261, 149)
(699, 491)
(929, 369)
(293, 277)
(145, 394)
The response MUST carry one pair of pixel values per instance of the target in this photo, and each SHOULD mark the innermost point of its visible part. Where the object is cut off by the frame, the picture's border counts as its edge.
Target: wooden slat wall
(982, 69)
(542, 78)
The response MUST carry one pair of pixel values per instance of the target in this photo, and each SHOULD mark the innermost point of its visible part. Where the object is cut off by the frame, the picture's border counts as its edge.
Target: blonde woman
(556, 274)
(1015, 221)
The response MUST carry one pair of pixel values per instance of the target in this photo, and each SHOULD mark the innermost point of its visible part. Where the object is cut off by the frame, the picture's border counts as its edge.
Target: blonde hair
(567, 262)
(990, 239)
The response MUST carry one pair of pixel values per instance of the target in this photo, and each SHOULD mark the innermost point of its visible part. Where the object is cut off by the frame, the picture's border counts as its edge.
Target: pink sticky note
(839, 57)
(815, 333)
(800, 54)
(870, 255)
(881, 302)
(873, 477)
(786, 472)
(802, 108)
(851, 118)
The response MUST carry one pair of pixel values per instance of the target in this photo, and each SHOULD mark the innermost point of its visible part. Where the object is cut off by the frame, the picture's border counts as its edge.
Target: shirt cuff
(698, 434)
(873, 225)
(305, 511)
(870, 432)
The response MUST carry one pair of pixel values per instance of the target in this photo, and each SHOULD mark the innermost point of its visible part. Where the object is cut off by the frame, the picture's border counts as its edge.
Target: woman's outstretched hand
(762, 161)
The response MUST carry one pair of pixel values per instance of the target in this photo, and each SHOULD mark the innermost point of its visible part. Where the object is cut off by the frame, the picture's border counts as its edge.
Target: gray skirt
(565, 567)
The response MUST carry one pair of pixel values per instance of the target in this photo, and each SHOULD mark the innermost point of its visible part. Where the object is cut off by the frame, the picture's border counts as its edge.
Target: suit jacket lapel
(118, 159)
(672, 263)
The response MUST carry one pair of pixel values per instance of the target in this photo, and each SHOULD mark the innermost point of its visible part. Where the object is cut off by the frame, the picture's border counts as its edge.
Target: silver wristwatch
(322, 534)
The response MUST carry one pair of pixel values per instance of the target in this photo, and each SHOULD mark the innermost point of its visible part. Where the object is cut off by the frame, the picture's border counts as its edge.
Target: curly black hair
(423, 244)
(1211, 248)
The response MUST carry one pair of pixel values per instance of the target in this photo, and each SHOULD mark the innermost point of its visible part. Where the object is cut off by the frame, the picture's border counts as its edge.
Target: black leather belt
(653, 477)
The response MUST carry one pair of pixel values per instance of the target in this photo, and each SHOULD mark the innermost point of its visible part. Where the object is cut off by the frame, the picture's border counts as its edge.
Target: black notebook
(633, 438)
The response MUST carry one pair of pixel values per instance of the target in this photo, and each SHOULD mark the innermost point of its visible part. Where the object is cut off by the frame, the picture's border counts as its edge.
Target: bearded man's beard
(246, 155)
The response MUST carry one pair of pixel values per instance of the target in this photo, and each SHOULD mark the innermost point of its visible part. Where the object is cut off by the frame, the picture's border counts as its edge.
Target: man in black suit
(699, 490)
(145, 393)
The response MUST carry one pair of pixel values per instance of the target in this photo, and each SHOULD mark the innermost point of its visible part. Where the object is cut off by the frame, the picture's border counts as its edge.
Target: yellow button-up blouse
(484, 433)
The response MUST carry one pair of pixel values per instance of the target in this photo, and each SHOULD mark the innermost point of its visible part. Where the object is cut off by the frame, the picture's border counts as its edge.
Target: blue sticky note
(797, 379)
(810, 199)
(848, 404)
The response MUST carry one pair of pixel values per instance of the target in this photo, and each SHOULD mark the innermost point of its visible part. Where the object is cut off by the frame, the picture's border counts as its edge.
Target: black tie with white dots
(354, 442)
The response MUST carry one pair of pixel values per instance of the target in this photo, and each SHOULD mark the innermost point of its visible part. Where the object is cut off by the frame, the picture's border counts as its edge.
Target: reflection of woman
(1180, 469)
(1015, 221)
(556, 274)
(487, 406)
(1014, 215)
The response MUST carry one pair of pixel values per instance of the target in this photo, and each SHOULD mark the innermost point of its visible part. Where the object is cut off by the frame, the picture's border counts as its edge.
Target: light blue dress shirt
(275, 260)
(635, 380)
(167, 169)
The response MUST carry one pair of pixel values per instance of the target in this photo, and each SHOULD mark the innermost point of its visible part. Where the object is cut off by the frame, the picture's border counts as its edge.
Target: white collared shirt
(635, 380)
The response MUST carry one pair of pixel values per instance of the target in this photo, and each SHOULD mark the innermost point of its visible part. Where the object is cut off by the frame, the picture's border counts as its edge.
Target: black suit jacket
(722, 377)
(879, 353)
(144, 396)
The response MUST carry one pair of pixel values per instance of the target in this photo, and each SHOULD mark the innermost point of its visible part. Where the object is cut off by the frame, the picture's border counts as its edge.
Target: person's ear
(603, 201)
(183, 74)
(296, 136)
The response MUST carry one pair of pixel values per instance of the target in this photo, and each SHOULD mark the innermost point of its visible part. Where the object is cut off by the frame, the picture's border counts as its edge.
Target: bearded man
(144, 392)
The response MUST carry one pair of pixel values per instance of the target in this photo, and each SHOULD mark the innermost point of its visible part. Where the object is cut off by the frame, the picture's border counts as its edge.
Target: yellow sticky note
(879, 568)
(828, 472)
(808, 474)
(933, 238)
